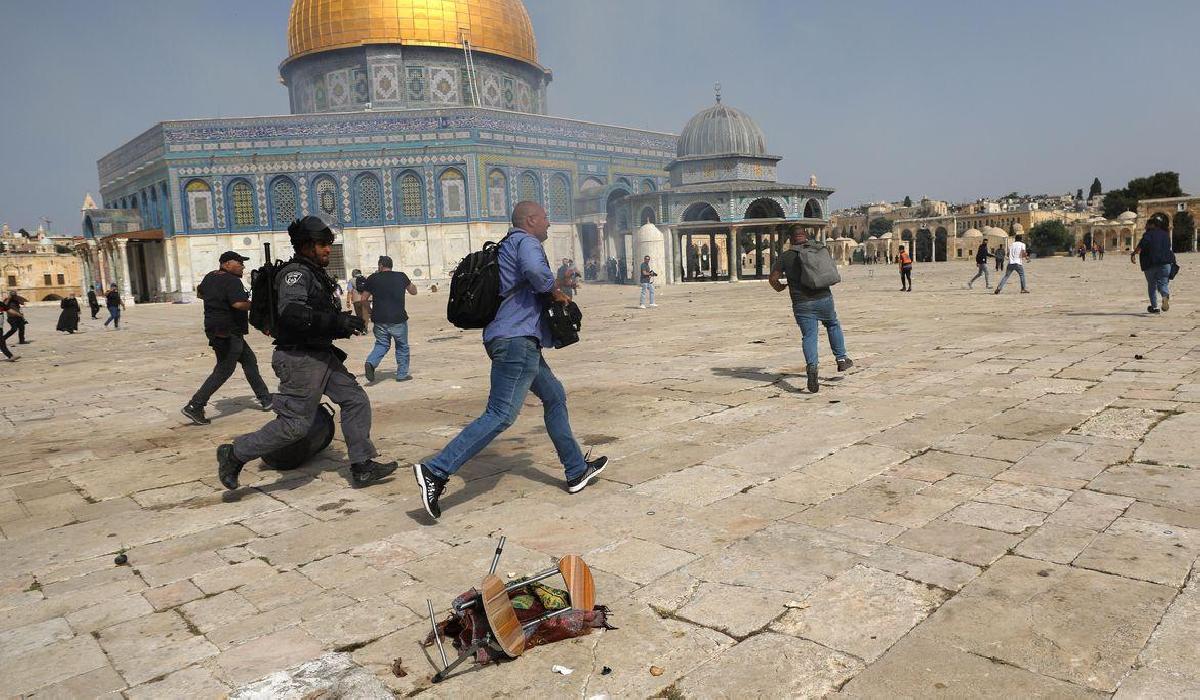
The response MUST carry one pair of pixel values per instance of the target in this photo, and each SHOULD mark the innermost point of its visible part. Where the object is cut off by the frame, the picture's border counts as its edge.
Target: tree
(879, 226)
(907, 201)
(1095, 190)
(1050, 237)
(1182, 232)
(1164, 184)
(1117, 202)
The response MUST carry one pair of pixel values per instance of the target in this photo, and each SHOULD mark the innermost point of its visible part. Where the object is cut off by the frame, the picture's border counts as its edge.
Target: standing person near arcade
(114, 303)
(226, 326)
(93, 302)
(309, 365)
(647, 274)
(905, 262)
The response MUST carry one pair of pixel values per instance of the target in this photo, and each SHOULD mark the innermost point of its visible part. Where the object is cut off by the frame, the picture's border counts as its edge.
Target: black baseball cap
(231, 255)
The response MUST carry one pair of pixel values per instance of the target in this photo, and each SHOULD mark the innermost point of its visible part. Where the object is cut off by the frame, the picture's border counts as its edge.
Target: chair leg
(466, 654)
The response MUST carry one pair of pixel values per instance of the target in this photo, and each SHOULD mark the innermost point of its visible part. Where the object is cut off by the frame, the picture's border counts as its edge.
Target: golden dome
(493, 26)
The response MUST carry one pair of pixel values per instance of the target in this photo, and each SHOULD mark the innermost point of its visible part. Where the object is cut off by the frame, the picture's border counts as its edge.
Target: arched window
(199, 203)
(154, 212)
(412, 197)
(559, 200)
(812, 209)
(368, 199)
(529, 188)
(497, 193)
(283, 203)
(647, 216)
(241, 204)
(764, 208)
(454, 194)
(701, 211)
(325, 196)
(648, 185)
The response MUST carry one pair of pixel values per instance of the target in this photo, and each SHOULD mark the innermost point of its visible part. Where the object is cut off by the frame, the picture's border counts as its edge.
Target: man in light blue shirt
(514, 342)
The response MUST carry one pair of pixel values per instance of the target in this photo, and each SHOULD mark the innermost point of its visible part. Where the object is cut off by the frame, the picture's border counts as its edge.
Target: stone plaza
(1002, 499)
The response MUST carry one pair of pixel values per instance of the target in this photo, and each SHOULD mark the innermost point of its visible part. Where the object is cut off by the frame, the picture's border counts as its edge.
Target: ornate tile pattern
(443, 86)
(386, 82)
(415, 84)
(339, 88)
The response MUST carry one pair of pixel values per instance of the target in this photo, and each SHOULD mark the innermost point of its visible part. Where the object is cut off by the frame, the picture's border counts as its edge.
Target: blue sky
(947, 99)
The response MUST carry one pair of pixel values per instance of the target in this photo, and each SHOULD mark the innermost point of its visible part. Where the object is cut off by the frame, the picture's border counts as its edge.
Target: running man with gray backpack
(811, 272)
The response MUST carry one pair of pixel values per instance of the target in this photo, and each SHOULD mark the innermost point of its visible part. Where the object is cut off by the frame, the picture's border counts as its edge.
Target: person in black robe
(68, 319)
(93, 302)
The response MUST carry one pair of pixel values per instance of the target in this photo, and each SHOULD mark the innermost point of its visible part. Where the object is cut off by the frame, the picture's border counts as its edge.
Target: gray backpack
(817, 269)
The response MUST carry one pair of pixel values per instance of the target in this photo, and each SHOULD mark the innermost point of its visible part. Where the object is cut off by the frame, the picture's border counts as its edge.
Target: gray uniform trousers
(304, 376)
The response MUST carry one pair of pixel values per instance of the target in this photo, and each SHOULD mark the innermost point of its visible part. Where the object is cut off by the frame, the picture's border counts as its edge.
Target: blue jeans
(114, 316)
(385, 333)
(647, 287)
(808, 314)
(517, 368)
(1158, 279)
(1012, 267)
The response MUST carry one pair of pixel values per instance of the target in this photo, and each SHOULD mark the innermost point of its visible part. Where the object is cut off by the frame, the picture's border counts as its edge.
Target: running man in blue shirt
(514, 342)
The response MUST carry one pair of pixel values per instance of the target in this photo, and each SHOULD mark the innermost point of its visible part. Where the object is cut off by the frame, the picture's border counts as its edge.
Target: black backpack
(262, 293)
(475, 288)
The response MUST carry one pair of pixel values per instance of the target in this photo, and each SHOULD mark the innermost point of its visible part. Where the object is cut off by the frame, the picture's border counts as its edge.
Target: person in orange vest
(905, 270)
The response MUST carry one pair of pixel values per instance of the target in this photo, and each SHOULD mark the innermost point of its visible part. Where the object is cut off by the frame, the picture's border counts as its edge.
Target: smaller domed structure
(973, 233)
(721, 130)
(1127, 216)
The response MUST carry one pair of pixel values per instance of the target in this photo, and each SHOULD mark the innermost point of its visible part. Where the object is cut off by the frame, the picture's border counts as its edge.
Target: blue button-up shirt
(524, 274)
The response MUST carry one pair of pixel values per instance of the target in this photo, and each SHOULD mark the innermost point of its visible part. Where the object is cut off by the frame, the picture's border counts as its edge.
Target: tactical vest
(320, 298)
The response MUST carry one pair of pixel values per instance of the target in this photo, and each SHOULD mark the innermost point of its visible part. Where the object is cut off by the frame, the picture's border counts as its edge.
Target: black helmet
(310, 228)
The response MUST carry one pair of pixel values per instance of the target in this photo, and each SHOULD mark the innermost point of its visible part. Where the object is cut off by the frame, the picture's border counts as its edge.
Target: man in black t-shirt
(385, 290)
(226, 325)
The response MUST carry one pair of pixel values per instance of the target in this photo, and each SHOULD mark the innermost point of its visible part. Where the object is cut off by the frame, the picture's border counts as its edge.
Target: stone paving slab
(979, 508)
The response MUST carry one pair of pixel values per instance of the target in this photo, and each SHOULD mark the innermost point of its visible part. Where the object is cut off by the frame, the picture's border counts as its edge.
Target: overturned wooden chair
(504, 629)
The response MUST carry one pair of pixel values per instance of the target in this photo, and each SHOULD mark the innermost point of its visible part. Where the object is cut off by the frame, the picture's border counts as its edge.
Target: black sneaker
(844, 363)
(369, 472)
(594, 467)
(405, 378)
(265, 403)
(431, 489)
(369, 371)
(1152, 310)
(228, 467)
(195, 414)
(813, 385)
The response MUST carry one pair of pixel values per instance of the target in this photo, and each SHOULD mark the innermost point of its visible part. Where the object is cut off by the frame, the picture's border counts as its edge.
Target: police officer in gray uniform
(309, 365)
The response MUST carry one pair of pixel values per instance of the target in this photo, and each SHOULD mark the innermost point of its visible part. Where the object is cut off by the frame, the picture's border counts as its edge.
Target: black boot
(228, 466)
(369, 472)
(813, 385)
